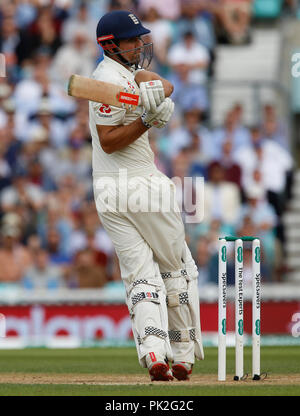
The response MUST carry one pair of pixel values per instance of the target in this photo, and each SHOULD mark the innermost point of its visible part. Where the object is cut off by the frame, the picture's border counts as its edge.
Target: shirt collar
(120, 68)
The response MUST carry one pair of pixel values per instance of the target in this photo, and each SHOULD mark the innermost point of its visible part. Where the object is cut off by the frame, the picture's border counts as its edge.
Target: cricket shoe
(182, 370)
(159, 369)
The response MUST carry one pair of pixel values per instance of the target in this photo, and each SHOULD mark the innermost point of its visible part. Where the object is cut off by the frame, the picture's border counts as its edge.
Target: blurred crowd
(51, 236)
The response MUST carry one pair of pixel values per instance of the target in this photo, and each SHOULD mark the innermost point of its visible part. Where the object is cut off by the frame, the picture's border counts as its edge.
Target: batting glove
(152, 94)
(161, 117)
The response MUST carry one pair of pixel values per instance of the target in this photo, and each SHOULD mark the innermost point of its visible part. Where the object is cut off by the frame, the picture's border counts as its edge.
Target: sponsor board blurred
(79, 325)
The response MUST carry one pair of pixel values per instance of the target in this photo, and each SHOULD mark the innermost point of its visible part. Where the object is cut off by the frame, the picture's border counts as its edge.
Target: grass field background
(90, 371)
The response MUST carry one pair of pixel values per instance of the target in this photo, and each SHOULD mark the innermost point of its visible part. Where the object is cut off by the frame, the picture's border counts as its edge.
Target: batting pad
(184, 311)
(147, 306)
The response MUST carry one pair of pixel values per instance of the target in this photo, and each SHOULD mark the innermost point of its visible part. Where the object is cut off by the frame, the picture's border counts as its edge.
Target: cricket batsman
(157, 268)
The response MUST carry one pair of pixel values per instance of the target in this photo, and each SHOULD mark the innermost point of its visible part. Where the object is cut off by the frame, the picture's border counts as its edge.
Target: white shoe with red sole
(159, 369)
(182, 370)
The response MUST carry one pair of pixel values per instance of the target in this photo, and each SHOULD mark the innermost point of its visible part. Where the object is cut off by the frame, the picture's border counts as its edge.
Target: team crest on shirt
(104, 110)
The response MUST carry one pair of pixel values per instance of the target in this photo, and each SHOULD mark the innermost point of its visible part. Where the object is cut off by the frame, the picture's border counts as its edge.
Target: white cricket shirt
(136, 155)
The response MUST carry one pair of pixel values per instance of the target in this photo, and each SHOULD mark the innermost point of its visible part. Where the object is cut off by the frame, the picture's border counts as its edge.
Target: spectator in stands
(80, 123)
(238, 116)
(233, 172)
(222, 199)
(191, 132)
(7, 135)
(273, 161)
(255, 181)
(230, 131)
(68, 197)
(199, 159)
(13, 220)
(21, 192)
(57, 129)
(247, 227)
(9, 109)
(76, 57)
(185, 186)
(263, 217)
(57, 253)
(188, 94)
(276, 165)
(195, 18)
(205, 245)
(161, 36)
(42, 274)
(72, 161)
(44, 152)
(215, 229)
(38, 176)
(189, 61)
(55, 218)
(273, 128)
(122, 5)
(14, 257)
(276, 171)
(83, 21)
(8, 9)
(212, 231)
(234, 21)
(249, 157)
(191, 55)
(5, 170)
(88, 233)
(25, 13)
(181, 163)
(205, 263)
(167, 9)
(36, 93)
(30, 90)
(43, 32)
(5, 92)
(9, 39)
(96, 8)
(26, 156)
(86, 272)
(34, 244)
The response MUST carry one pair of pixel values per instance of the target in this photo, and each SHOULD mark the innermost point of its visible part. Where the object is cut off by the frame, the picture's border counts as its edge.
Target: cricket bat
(101, 92)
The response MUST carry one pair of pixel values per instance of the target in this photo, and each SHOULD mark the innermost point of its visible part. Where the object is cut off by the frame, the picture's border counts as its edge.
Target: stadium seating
(257, 62)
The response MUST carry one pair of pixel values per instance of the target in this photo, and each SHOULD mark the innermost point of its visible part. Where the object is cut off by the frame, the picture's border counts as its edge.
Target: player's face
(131, 48)
(134, 50)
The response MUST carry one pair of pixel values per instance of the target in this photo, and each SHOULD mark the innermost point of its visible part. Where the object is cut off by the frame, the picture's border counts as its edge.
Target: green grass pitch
(116, 372)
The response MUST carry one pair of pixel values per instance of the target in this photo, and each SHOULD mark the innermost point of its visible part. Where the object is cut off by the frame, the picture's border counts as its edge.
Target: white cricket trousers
(155, 262)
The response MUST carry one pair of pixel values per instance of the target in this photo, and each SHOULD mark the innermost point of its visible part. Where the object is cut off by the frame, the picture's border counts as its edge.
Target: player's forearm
(144, 76)
(117, 137)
